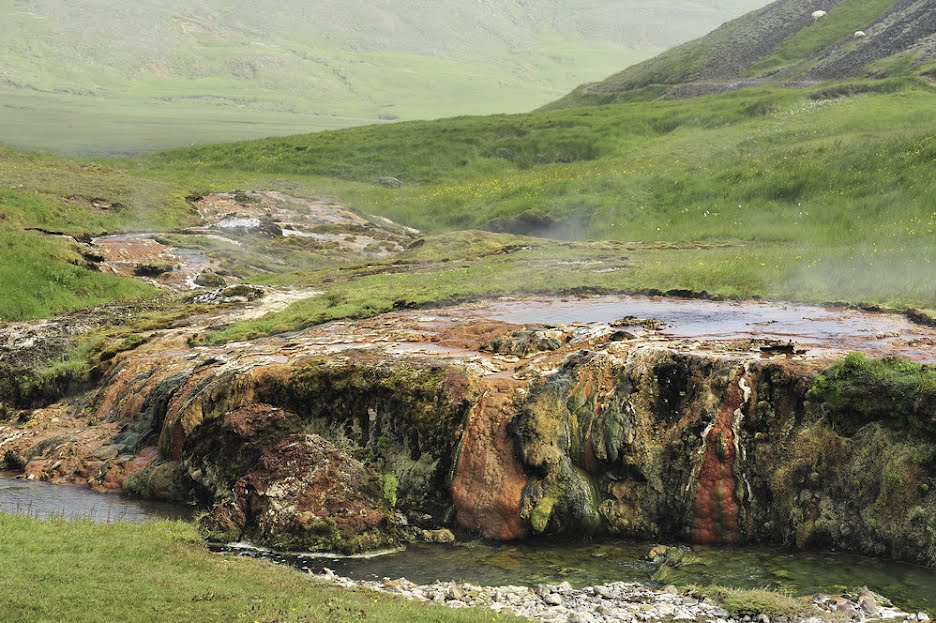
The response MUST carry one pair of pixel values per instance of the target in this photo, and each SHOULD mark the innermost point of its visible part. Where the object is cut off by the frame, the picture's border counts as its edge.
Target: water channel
(527, 563)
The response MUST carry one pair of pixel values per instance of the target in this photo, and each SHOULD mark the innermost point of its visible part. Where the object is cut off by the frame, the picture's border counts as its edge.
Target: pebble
(553, 599)
(615, 602)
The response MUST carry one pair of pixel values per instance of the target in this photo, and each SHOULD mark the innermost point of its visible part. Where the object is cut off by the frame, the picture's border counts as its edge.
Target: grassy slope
(761, 192)
(780, 42)
(110, 76)
(817, 200)
(42, 275)
(82, 572)
(849, 16)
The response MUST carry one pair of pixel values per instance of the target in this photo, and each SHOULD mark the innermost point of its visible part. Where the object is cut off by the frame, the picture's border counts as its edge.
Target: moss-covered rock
(403, 420)
(306, 495)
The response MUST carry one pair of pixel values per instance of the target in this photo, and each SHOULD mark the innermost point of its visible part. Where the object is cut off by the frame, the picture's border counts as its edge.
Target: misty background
(113, 77)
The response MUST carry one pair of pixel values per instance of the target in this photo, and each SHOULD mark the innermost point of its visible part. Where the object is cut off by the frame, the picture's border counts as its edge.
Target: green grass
(80, 572)
(842, 21)
(45, 275)
(760, 192)
(763, 192)
(111, 78)
(38, 278)
(741, 602)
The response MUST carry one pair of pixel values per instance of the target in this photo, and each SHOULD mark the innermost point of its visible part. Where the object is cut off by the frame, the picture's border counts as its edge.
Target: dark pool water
(42, 500)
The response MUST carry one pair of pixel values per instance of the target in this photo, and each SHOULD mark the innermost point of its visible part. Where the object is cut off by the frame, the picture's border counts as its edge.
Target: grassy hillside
(108, 76)
(819, 195)
(42, 275)
(782, 44)
(822, 194)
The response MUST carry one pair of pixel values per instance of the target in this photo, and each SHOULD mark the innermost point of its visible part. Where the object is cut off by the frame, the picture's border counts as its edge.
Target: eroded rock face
(305, 494)
(308, 441)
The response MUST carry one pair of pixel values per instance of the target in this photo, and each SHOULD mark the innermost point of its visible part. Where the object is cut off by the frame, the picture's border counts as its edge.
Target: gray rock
(552, 599)
(438, 536)
(868, 605)
(390, 182)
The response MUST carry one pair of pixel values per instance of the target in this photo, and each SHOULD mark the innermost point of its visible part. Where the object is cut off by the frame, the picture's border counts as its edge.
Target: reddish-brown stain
(716, 503)
(488, 486)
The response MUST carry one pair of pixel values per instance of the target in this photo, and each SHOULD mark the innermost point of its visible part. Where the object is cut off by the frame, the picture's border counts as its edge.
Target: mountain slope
(783, 43)
(107, 75)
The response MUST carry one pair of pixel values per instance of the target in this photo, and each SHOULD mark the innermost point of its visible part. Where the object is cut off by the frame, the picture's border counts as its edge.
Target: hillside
(783, 44)
(108, 76)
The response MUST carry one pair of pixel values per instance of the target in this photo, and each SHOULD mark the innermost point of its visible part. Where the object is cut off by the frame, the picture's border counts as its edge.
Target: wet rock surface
(682, 428)
(323, 222)
(268, 225)
(304, 489)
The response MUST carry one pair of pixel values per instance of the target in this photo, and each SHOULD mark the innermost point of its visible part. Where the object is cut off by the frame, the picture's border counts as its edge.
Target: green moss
(156, 482)
(858, 390)
(542, 513)
(399, 421)
(742, 602)
(390, 485)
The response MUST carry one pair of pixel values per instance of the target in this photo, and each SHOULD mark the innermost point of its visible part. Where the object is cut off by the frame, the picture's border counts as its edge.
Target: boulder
(304, 494)
(390, 182)
(210, 279)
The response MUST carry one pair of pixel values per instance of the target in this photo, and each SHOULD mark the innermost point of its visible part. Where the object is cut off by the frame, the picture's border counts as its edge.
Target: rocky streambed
(618, 602)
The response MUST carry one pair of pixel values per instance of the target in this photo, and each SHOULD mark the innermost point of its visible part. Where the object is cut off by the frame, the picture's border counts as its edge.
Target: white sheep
(860, 34)
(817, 15)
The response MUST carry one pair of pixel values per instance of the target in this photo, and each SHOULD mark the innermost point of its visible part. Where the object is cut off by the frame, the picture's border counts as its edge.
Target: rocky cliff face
(355, 435)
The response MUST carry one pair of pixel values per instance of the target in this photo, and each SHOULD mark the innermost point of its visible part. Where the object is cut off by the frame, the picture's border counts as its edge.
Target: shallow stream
(529, 563)
(43, 500)
(584, 564)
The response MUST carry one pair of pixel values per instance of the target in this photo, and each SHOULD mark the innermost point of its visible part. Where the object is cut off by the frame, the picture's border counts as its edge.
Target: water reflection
(42, 500)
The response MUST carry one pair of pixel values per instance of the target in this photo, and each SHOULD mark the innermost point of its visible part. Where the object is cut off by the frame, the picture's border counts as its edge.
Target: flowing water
(531, 562)
(43, 500)
(584, 564)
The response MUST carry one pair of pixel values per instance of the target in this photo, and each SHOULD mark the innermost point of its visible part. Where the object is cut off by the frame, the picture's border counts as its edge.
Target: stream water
(532, 562)
(584, 564)
(43, 500)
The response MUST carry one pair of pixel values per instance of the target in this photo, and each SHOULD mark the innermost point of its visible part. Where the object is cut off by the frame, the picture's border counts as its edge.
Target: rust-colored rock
(304, 494)
(716, 504)
(488, 486)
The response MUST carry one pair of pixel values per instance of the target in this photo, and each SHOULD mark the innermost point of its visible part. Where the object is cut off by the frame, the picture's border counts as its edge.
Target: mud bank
(507, 420)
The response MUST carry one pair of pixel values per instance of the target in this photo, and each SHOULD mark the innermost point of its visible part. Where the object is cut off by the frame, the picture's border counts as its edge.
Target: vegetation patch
(161, 572)
(744, 602)
(857, 391)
